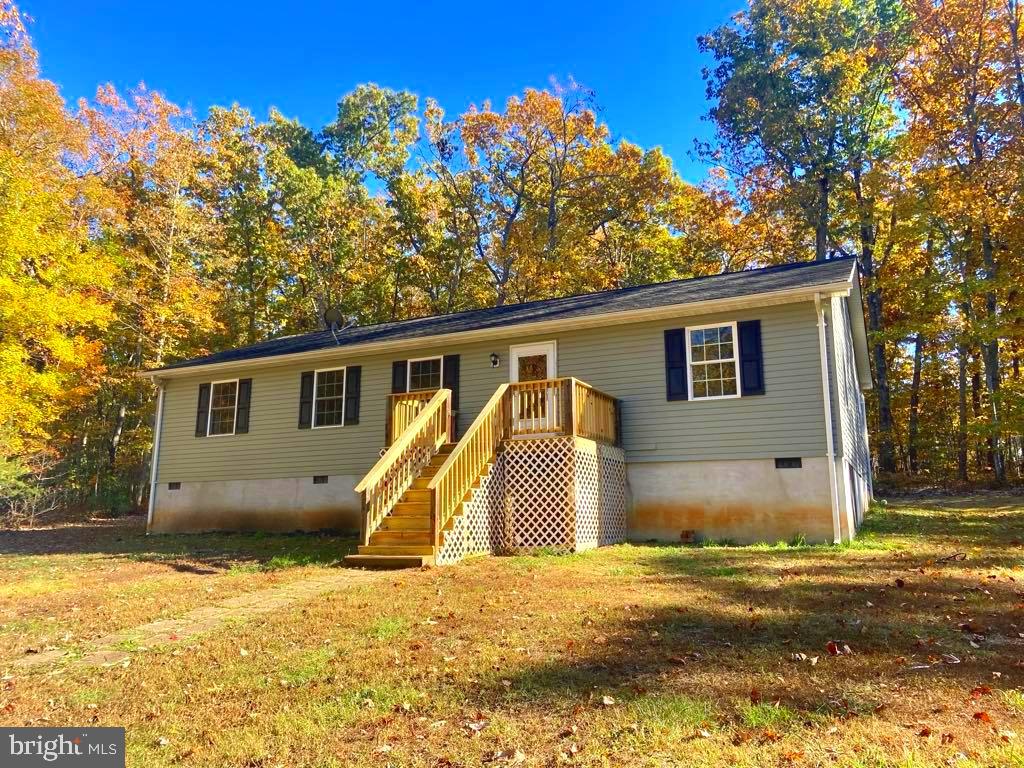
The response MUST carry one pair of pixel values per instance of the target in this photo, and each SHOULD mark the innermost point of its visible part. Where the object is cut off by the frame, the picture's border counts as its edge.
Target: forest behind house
(134, 234)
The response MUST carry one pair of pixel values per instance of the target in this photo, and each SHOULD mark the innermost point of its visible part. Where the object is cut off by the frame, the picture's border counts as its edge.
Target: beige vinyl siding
(848, 400)
(625, 360)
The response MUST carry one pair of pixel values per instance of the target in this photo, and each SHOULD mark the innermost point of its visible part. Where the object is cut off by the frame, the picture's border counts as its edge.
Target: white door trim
(549, 348)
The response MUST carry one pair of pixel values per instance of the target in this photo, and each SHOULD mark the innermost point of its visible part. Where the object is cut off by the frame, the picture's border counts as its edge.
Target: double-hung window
(329, 398)
(711, 356)
(223, 407)
(424, 373)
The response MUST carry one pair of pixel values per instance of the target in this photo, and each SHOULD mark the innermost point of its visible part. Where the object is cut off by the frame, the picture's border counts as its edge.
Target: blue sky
(641, 59)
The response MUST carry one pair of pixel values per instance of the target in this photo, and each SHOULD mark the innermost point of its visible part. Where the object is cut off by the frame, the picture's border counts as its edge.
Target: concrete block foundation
(746, 501)
(281, 505)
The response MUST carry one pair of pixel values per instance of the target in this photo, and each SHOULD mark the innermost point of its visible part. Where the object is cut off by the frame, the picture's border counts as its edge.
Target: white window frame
(735, 361)
(209, 412)
(408, 372)
(344, 392)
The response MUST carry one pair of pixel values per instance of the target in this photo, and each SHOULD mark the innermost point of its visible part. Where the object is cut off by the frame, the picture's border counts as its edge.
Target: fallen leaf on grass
(607, 701)
(755, 696)
(980, 690)
(837, 648)
(947, 738)
(925, 732)
(983, 717)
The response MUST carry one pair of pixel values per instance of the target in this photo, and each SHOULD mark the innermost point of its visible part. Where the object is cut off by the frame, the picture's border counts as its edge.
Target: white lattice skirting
(560, 494)
(478, 530)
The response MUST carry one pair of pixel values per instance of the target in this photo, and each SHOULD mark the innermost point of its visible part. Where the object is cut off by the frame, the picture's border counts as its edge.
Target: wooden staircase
(404, 537)
(421, 483)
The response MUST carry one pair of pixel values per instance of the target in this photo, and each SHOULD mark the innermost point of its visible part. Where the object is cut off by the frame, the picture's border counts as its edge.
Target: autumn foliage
(133, 233)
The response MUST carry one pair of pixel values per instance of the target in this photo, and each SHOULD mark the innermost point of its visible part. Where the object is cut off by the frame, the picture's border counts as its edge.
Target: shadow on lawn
(200, 553)
(904, 615)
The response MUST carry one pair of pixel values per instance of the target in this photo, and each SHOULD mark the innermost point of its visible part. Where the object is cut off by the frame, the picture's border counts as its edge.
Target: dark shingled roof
(725, 286)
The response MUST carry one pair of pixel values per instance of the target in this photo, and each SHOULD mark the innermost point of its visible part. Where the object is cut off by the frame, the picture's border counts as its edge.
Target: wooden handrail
(394, 473)
(464, 464)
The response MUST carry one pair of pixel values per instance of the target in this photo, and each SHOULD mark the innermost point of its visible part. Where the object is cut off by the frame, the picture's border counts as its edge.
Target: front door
(533, 408)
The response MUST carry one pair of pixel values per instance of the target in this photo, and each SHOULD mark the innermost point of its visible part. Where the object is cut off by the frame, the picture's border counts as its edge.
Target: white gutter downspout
(829, 438)
(155, 458)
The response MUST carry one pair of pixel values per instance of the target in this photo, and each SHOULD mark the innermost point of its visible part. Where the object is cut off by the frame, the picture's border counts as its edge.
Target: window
(711, 354)
(329, 398)
(223, 403)
(425, 374)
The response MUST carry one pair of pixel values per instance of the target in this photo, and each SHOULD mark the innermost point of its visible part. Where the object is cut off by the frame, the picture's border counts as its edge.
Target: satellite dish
(332, 318)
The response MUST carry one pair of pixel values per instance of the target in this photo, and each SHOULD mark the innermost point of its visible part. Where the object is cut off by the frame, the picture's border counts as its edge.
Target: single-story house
(722, 407)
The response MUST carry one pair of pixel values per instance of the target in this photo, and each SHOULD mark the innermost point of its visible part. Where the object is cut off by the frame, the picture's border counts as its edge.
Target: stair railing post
(618, 422)
(434, 528)
(363, 539)
(569, 409)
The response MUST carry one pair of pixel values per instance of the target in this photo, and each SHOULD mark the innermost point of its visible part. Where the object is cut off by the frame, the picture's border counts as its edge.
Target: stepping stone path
(109, 650)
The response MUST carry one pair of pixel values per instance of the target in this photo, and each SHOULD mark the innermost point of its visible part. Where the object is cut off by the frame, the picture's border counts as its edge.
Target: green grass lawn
(629, 655)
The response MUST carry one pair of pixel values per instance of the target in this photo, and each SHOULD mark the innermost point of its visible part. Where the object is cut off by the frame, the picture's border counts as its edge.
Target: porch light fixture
(495, 360)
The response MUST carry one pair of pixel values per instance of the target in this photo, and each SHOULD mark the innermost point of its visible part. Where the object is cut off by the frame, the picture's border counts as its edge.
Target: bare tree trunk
(961, 433)
(115, 437)
(873, 296)
(990, 357)
(915, 404)
(1013, 22)
(821, 224)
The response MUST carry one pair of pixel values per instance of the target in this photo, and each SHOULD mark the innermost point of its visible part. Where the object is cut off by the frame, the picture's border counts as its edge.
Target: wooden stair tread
(388, 562)
(396, 549)
(418, 538)
(405, 523)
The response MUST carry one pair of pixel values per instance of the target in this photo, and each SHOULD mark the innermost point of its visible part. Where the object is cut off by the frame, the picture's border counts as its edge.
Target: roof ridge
(497, 314)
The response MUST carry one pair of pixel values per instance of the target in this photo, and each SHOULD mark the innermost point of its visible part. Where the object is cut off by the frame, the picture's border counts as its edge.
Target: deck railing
(412, 449)
(521, 409)
(562, 407)
(596, 414)
(403, 407)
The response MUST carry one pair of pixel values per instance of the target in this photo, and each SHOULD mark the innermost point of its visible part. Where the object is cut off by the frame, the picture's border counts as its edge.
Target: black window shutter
(751, 359)
(399, 376)
(203, 410)
(242, 410)
(450, 377)
(306, 400)
(353, 382)
(675, 364)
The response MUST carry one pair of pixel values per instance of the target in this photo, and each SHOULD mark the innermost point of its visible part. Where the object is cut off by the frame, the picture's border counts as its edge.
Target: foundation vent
(319, 479)
(789, 463)
(174, 486)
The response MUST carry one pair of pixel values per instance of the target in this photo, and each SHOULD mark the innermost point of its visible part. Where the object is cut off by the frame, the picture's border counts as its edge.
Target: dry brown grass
(630, 655)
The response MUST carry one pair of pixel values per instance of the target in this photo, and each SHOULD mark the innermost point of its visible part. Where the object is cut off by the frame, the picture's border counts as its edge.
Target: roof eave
(768, 298)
